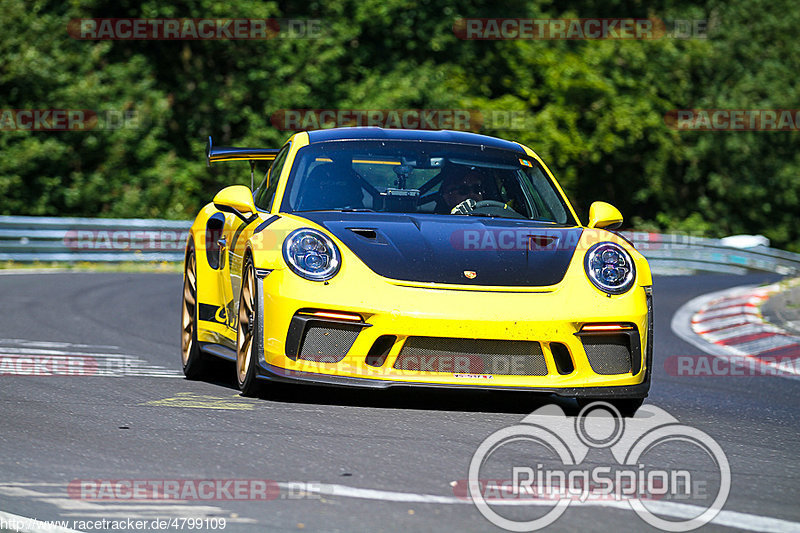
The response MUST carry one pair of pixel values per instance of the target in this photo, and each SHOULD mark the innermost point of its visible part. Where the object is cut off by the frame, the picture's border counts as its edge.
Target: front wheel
(195, 363)
(248, 339)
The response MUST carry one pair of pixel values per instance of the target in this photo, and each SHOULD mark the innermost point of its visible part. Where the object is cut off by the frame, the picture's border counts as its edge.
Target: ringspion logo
(547, 457)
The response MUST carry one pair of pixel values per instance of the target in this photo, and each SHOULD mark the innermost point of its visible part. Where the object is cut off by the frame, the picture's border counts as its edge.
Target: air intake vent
(608, 354)
(562, 358)
(380, 349)
(367, 233)
(214, 228)
(472, 356)
(327, 343)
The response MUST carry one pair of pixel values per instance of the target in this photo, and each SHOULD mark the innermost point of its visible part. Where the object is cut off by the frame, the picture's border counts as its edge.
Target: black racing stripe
(266, 223)
(241, 229)
(208, 313)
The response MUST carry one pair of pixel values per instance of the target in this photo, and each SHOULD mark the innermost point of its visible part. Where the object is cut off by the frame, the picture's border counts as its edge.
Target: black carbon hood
(455, 249)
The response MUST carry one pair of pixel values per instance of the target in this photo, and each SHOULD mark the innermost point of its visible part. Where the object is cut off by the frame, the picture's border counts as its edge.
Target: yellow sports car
(377, 258)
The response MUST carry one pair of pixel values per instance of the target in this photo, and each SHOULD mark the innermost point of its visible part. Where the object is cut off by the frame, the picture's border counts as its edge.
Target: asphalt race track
(136, 418)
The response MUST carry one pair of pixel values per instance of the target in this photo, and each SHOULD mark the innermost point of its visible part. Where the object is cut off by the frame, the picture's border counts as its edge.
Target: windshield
(422, 177)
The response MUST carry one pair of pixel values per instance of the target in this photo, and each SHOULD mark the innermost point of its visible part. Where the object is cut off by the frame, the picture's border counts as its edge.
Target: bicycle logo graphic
(598, 426)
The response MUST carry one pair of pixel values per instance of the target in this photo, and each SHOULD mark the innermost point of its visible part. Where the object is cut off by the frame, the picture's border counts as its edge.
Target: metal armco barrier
(684, 254)
(53, 239)
(46, 239)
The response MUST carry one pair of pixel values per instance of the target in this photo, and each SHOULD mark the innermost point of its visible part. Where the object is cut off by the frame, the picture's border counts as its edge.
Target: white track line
(48, 344)
(735, 519)
(6, 350)
(721, 323)
(25, 271)
(732, 333)
(39, 358)
(84, 510)
(738, 310)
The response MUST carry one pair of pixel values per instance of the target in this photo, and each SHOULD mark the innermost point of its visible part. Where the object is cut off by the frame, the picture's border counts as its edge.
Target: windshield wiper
(337, 210)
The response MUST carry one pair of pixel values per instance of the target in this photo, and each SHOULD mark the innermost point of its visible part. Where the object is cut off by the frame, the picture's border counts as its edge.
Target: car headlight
(311, 254)
(610, 268)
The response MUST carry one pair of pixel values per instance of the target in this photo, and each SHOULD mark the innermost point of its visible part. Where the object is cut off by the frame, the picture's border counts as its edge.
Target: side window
(265, 193)
(546, 200)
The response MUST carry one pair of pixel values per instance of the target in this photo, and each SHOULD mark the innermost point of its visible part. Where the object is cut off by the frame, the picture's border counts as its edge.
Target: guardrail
(679, 254)
(53, 239)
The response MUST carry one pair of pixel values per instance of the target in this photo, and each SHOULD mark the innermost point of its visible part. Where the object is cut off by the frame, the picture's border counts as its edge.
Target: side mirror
(603, 215)
(236, 198)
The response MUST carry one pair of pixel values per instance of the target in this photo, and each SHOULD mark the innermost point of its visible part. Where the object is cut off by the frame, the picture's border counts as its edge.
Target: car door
(238, 231)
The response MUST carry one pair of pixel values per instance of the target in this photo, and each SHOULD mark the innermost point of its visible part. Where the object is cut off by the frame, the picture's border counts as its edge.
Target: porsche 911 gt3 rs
(379, 258)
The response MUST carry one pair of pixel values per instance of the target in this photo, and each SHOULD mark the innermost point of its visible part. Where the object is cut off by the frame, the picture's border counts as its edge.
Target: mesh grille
(472, 356)
(608, 355)
(328, 343)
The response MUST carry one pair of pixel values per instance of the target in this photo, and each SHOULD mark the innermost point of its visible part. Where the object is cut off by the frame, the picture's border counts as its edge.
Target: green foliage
(594, 110)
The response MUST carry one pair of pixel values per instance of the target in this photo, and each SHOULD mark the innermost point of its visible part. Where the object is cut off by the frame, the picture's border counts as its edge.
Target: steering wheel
(491, 203)
(496, 209)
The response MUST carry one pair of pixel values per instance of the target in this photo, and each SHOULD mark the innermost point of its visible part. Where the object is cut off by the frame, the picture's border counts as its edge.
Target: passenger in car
(329, 186)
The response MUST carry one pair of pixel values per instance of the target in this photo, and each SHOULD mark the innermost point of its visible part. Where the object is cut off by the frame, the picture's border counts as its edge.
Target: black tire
(627, 407)
(248, 339)
(195, 363)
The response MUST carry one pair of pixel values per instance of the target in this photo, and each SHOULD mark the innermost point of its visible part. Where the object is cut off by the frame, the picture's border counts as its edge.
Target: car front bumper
(550, 317)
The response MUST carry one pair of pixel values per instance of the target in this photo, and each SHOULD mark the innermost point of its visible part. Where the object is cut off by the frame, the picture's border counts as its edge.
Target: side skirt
(218, 350)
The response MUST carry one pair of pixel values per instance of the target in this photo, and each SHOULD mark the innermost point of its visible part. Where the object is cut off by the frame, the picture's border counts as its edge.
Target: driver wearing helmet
(458, 188)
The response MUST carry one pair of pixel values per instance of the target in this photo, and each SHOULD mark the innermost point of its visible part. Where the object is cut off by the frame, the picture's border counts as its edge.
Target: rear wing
(217, 154)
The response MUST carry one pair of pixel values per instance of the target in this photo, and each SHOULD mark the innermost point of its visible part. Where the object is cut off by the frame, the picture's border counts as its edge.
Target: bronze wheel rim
(245, 332)
(188, 313)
